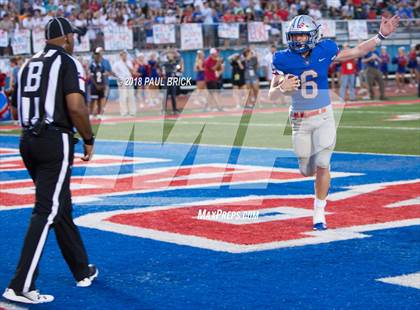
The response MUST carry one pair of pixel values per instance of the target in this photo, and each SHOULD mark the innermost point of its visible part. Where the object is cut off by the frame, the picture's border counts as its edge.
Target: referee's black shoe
(93, 274)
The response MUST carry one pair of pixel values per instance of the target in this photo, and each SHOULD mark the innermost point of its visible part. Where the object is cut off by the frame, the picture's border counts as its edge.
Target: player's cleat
(320, 226)
(319, 222)
(32, 297)
(93, 274)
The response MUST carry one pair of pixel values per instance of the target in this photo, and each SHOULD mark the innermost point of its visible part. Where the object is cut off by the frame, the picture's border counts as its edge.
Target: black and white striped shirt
(46, 79)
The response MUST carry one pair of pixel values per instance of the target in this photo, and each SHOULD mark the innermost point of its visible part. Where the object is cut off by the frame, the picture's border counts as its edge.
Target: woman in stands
(401, 61)
(251, 76)
(238, 78)
(412, 65)
(200, 81)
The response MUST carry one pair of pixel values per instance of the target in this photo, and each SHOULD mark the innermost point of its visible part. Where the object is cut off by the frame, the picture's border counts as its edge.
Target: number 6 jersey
(312, 72)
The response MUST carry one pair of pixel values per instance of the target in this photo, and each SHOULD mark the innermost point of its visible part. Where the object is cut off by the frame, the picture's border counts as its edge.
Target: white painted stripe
(407, 280)
(404, 203)
(98, 221)
(52, 89)
(54, 210)
(253, 124)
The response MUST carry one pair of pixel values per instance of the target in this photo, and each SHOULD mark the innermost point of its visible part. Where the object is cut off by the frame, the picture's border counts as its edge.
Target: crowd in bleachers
(84, 13)
(244, 65)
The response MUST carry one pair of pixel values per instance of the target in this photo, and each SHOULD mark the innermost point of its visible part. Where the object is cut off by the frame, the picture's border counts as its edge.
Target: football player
(302, 72)
(98, 87)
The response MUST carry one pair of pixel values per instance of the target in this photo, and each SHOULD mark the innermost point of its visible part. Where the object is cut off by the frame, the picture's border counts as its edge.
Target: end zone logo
(284, 221)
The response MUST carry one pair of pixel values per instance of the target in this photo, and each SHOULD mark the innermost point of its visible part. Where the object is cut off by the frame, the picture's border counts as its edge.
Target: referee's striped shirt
(46, 79)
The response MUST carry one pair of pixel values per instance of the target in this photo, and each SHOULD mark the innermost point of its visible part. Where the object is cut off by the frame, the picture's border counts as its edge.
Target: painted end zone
(347, 218)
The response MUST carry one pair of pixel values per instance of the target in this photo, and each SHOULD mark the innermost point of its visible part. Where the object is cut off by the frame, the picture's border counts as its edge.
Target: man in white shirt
(123, 71)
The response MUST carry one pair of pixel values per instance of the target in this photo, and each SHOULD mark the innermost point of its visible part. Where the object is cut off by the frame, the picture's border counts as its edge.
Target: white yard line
(253, 124)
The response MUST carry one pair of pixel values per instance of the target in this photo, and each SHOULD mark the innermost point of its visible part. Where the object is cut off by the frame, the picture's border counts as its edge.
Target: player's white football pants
(313, 140)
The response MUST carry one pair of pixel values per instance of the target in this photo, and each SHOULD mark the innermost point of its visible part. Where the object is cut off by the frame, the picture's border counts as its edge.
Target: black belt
(51, 128)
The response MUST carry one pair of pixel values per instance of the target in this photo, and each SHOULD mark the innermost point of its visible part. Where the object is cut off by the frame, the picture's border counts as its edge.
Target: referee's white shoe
(32, 297)
(93, 274)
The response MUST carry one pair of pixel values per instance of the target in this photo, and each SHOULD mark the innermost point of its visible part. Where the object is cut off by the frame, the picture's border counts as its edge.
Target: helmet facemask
(302, 47)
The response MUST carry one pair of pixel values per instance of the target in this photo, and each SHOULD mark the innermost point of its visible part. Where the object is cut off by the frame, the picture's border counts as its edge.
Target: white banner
(38, 39)
(118, 38)
(257, 32)
(327, 28)
(83, 46)
(21, 42)
(4, 38)
(357, 29)
(163, 34)
(191, 37)
(228, 31)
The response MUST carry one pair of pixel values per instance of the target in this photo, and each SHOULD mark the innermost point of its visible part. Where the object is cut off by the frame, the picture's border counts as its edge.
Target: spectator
(228, 17)
(404, 10)
(251, 76)
(249, 16)
(303, 10)
(171, 68)
(123, 70)
(384, 63)
(412, 65)
(372, 61)
(418, 69)
(401, 61)
(97, 74)
(108, 69)
(238, 77)
(348, 75)
(333, 72)
(197, 16)
(267, 63)
(282, 12)
(314, 11)
(7, 24)
(187, 15)
(141, 71)
(199, 68)
(211, 65)
(153, 71)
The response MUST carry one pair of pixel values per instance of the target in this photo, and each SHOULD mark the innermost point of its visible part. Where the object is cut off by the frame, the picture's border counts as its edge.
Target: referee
(50, 98)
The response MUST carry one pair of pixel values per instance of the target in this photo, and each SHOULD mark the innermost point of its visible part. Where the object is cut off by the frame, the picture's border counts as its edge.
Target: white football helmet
(303, 24)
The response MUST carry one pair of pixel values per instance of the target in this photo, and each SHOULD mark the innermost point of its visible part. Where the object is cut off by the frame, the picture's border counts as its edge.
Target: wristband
(89, 141)
(381, 36)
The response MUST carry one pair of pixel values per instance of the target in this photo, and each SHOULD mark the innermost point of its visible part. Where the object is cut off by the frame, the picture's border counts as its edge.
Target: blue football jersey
(312, 72)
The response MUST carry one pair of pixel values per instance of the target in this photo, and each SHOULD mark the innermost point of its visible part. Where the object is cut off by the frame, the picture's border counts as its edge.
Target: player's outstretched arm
(388, 26)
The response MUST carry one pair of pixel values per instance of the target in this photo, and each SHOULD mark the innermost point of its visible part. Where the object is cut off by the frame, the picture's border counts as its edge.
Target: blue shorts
(200, 76)
(412, 64)
(384, 69)
(401, 69)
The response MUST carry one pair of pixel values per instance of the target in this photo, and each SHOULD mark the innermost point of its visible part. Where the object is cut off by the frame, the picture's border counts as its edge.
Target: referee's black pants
(49, 158)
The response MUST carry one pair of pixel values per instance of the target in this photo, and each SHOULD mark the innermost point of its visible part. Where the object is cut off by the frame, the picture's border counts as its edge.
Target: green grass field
(362, 129)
